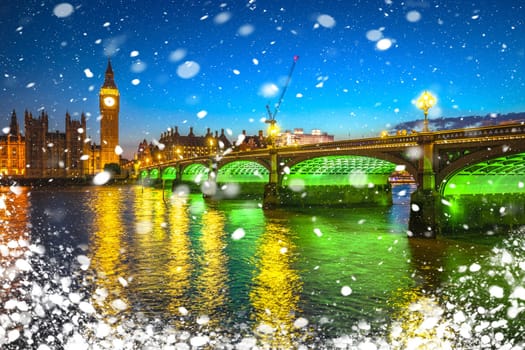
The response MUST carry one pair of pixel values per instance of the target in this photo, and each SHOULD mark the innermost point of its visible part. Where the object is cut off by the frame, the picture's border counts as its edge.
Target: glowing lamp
(425, 102)
(273, 130)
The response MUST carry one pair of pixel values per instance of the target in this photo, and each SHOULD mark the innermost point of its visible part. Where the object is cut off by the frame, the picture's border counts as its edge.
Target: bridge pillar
(271, 197)
(178, 177)
(423, 222)
(424, 201)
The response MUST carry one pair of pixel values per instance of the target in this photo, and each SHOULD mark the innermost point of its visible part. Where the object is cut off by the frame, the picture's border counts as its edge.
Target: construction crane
(271, 116)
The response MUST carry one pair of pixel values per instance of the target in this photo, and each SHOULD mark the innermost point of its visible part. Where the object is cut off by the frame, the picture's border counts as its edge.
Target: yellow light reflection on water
(106, 252)
(211, 284)
(179, 267)
(153, 256)
(277, 287)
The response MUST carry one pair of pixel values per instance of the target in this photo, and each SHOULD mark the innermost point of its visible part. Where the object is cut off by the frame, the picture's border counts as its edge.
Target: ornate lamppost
(273, 132)
(271, 195)
(424, 222)
(425, 102)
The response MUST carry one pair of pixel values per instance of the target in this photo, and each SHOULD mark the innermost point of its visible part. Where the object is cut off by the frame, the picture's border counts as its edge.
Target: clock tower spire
(109, 112)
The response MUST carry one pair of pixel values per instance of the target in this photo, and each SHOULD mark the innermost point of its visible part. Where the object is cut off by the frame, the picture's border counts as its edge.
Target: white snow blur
(188, 69)
(326, 21)
(63, 10)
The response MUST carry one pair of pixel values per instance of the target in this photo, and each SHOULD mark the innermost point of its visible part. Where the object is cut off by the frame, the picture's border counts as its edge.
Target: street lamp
(273, 132)
(425, 102)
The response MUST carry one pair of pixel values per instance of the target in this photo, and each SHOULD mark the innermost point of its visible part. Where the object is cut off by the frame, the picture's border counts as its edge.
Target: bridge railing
(486, 131)
(511, 131)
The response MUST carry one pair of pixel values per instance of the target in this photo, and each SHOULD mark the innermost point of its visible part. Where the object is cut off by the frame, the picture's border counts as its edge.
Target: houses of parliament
(39, 153)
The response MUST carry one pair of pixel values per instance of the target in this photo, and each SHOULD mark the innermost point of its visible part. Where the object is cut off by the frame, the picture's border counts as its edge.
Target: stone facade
(54, 154)
(12, 150)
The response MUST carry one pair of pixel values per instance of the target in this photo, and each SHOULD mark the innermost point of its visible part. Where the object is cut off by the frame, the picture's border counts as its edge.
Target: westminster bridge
(465, 177)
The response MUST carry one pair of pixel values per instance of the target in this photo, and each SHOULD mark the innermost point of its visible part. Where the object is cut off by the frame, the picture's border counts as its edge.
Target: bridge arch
(404, 161)
(243, 171)
(503, 174)
(466, 159)
(154, 174)
(195, 173)
(355, 170)
(169, 173)
(492, 191)
(338, 180)
(144, 174)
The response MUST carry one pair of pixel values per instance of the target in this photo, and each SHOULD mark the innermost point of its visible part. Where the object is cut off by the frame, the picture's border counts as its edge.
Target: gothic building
(109, 101)
(54, 154)
(44, 154)
(12, 150)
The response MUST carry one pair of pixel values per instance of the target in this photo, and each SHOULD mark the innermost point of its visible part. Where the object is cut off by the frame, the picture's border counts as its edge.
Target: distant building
(298, 137)
(12, 150)
(252, 142)
(173, 146)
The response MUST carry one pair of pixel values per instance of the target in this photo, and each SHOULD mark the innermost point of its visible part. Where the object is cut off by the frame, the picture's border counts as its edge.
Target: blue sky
(217, 64)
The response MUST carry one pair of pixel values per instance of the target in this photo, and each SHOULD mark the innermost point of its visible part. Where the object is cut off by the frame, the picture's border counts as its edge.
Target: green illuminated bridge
(466, 178)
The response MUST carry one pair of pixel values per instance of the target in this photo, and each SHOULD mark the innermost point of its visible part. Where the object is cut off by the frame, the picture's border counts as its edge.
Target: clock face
(109, 101)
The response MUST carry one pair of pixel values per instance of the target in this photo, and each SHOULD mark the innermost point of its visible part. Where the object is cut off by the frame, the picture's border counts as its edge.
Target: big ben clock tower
(109, 110)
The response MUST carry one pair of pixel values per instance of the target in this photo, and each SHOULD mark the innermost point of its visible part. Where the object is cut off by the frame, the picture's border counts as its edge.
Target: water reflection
(149, 253)
(14, 208)
(179, 267)
(352, 263)
(14, 240)
(427, 261)
(107, 251)
(295, 276)
(276, 287)
(211, 299)
(418, 324)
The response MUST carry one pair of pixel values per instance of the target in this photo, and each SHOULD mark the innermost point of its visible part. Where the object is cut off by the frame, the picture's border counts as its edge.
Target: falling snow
(222, 18)
(268, 90)
(384, 44)
(246, 30)
(102, 178)
(413, 16)
(63, 10)
(188, 69)
(44, 309)
(326, 21)
(238, 234)
(202, 114)
(88, 73)
(118, 150)
(346, 291)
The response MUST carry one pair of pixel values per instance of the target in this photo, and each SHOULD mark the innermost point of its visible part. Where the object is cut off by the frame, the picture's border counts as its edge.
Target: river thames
(131, 267)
